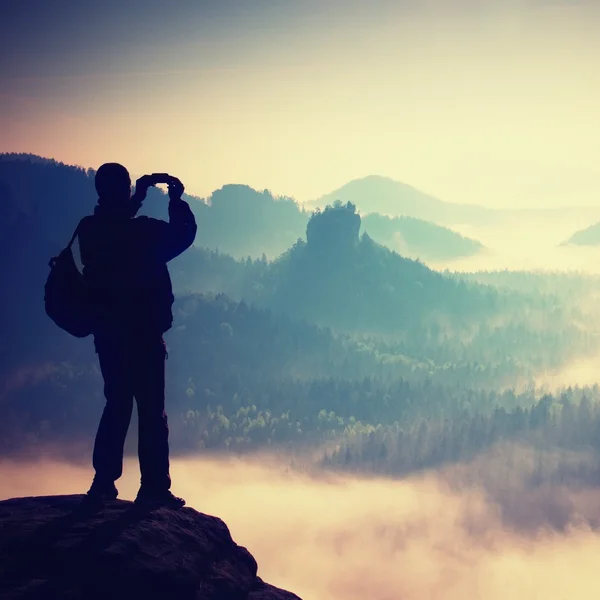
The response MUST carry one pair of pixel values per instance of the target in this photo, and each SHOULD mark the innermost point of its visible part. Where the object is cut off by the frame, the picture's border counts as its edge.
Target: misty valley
(337, 347)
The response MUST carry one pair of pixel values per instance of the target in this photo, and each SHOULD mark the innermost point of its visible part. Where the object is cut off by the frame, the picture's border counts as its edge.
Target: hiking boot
(164, 499)
(101, 493)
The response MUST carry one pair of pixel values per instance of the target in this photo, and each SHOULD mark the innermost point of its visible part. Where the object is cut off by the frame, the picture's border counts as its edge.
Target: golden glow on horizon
(499, 110)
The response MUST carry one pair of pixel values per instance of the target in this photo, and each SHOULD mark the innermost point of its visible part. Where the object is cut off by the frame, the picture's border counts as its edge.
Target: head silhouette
(113, 183)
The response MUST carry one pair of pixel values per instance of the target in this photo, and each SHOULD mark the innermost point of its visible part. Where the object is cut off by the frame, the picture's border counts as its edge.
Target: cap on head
(112, 181)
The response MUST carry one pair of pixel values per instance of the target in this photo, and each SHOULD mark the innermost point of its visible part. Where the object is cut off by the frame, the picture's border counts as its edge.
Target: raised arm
(181, 228)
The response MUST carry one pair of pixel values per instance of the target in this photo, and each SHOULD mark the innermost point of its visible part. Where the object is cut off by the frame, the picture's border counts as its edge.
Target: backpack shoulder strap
(68, 246)
(73, 237)
(76, 232)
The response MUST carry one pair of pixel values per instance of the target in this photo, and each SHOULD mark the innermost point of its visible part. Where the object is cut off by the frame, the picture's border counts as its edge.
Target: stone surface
(51, 547)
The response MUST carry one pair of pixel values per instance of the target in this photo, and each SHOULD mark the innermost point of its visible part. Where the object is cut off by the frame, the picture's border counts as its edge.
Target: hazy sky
(483, 101)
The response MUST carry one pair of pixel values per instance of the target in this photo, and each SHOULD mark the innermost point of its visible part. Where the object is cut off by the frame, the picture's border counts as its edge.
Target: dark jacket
(125, 266)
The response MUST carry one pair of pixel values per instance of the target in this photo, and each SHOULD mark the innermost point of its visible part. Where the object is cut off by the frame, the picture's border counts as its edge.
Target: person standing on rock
(124, 261)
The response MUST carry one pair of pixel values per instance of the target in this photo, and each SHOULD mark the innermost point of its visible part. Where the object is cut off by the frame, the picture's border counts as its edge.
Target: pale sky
(488, 102)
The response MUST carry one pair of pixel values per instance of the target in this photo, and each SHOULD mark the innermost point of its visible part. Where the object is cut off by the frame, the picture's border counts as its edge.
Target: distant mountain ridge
(378, 194)
(235, 219)
(393, 198)
(590, 236)
(417, 238)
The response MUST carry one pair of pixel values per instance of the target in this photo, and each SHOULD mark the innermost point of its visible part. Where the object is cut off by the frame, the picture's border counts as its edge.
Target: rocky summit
(55, 548)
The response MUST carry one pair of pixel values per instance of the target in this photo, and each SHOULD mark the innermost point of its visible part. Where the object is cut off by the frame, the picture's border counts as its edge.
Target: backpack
(66, 297)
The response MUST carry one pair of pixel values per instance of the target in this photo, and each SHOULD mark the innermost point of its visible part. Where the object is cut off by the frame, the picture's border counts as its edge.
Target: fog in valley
(526, 243)
(335, 537)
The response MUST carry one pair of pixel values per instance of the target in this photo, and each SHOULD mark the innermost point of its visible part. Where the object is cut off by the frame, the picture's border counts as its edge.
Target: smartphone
(160, 178)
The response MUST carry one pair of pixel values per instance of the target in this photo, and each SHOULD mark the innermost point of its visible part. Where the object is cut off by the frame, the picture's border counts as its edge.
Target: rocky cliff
(51, 548)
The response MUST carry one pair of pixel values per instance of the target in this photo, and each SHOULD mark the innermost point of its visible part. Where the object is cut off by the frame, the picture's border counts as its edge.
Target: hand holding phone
(176, 188)
(156, 178)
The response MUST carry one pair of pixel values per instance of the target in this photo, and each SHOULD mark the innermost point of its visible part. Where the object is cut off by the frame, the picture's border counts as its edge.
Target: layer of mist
(333, 537)
(580, 372)
(526, 244)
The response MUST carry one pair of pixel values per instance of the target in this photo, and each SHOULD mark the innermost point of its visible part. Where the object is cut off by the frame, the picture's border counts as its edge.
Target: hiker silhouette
(125, 270)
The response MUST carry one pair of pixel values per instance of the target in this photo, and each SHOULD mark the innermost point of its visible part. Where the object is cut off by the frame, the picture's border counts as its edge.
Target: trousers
(133, 366)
